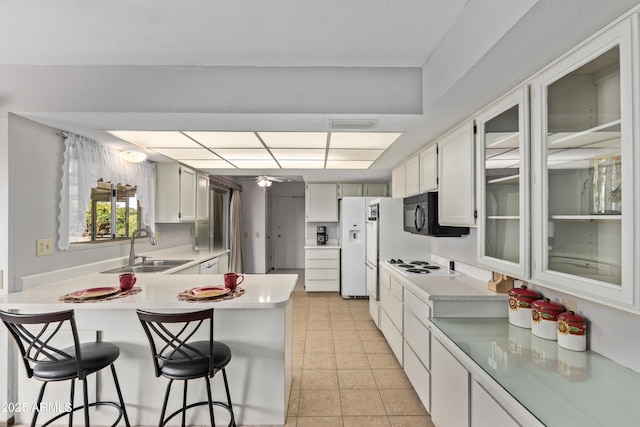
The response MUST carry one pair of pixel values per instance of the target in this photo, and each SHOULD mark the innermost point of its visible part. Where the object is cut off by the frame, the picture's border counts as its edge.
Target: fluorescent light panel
(340, 154)
(187, 153)
(256, 164)
(294, 139)
(301, 164)
(298, 154)
(226, 139)
(156, 139)
(244, 154)
(353, 164)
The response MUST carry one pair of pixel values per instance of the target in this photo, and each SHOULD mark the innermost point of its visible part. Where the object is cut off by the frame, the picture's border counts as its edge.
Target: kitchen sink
(151, 266)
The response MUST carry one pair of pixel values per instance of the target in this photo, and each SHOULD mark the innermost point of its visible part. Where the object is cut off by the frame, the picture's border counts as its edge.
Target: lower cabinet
(322, 270)
(417, 346)
(449, 388)
(419, 376)
(391, 298)
(486, 412)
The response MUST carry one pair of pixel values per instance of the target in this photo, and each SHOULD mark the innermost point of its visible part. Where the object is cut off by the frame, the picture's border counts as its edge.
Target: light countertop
(159, 291)
(322, 247)
(559, 387)
(446, 288)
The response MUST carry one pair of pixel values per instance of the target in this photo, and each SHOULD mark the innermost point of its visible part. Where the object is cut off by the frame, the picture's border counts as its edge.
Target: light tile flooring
(344, 372)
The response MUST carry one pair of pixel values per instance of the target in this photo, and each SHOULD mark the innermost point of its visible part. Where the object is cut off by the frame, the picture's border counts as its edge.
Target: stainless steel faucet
(148, 232)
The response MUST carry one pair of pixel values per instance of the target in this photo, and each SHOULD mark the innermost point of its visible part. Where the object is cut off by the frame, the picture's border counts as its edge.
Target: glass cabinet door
(584, 155)
(503, 172)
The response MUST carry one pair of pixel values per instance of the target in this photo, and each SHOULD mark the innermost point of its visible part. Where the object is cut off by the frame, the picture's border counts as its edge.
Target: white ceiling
(414, 66)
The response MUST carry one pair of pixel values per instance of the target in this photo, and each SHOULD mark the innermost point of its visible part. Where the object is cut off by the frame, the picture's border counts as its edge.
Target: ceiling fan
(266, 181)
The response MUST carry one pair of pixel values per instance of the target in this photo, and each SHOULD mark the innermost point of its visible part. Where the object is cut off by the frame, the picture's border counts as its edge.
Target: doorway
(289, 232)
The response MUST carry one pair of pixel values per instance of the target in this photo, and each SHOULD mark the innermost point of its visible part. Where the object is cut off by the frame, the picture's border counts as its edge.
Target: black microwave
(421, 217)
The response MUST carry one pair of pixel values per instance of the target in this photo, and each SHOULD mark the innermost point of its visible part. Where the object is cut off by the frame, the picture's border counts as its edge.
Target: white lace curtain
(85, 162)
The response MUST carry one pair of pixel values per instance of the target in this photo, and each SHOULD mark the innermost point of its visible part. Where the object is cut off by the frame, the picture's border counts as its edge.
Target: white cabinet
(503, 185)
(486, 412)
(321, 202)
(429, 168)
(417, 346)
(397, 181)
(223, 264)
(456, 166)
(175, 193)
(449, 388)
(412, 176)
(202, 197)
(349, 190)
(373, 189)
(322, 270)
(391, 297)
(584, 125)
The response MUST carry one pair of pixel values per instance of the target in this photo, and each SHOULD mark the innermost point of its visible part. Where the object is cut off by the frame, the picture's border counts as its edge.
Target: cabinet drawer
(322, 274)
(397, 289)
(418, 375)
(418, 337)
(322, 254)
(393, 336)
(391, 306)
(417, 307)
(322, 285)
(322, 263)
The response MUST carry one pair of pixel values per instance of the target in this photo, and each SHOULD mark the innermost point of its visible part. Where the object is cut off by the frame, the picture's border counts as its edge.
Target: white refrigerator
(386, 239)
(352, 229)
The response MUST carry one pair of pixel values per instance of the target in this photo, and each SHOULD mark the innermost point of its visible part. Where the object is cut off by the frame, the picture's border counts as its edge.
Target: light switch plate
(1, 276)
(44, 247)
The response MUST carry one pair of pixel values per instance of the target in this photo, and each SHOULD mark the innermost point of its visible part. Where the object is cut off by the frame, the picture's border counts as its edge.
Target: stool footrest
(193, 405)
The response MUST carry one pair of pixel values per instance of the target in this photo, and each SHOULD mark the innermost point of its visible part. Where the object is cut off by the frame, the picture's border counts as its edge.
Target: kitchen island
(257, 326)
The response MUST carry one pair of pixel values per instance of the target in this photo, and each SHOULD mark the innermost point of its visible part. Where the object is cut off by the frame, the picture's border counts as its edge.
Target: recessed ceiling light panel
(244, 154)
(343, 154)
(226, 139)
(298, 154)
(256, 164)
(302, 164)
(187, 153)
(294, 139)
(155, 139)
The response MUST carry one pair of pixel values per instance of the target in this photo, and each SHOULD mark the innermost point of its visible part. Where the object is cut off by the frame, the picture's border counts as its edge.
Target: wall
(35, 173)
(254, 225)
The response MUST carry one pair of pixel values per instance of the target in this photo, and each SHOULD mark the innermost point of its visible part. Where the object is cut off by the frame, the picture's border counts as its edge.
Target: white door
(289, 233)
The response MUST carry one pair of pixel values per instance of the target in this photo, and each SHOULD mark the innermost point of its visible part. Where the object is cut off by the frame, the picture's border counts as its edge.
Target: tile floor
(344, 373)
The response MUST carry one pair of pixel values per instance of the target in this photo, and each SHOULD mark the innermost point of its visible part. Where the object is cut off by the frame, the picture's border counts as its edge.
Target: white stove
(419, 268)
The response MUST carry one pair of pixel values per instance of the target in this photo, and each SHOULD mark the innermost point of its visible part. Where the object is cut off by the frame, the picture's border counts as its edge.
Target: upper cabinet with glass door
(583, 160)
(503, 185)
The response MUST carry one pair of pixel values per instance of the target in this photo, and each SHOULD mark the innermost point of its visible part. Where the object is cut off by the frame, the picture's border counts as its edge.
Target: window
(111, 204)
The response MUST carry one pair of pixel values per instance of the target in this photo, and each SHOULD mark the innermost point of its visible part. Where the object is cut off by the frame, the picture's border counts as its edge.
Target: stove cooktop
(411, 268)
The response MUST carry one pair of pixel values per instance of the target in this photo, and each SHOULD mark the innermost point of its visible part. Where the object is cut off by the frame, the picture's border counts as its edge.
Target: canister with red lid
(520, 300)
(572, 331)
(544, 318)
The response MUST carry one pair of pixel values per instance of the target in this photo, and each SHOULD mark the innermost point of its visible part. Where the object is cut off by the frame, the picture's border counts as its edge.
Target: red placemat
(72, 297)
(187, 296)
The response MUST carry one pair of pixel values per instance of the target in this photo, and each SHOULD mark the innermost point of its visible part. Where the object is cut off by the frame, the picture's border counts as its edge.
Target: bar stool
(35, 334)
(177, 357)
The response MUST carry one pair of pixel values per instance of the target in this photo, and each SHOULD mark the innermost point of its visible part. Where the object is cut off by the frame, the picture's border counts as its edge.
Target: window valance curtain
(85, 162)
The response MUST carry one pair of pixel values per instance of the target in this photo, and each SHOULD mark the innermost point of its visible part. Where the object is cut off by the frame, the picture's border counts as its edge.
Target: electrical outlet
(257, 234)
(246, 234)
(570, 305)
(1, 275)
(44, 247)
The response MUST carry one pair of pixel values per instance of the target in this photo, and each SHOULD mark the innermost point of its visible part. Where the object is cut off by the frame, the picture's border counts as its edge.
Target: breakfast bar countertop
(159, 291)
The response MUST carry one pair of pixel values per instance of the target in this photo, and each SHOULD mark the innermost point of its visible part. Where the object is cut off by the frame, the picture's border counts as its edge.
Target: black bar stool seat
(95, 356)
(35, 334)
(182, 367)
